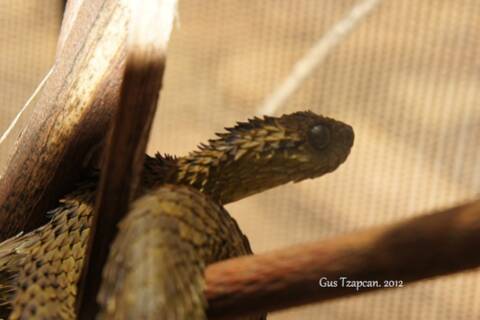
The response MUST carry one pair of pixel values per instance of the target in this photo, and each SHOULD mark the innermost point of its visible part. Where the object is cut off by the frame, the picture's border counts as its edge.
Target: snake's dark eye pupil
(319, 136)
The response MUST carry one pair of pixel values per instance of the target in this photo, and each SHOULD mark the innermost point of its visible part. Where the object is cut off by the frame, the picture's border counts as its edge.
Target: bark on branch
(71, 114)
(419, 248)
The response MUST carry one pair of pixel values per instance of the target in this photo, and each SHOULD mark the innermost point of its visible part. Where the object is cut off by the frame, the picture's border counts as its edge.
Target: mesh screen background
(406, 79)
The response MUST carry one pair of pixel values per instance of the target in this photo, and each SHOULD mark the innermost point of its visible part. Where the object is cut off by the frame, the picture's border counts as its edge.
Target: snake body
(176, 228)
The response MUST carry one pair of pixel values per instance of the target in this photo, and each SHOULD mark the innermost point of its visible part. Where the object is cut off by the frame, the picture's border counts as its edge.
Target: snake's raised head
(263, 153)
(306, 145)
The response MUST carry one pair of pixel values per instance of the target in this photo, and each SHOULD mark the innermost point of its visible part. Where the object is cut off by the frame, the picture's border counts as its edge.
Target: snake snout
(347, 135)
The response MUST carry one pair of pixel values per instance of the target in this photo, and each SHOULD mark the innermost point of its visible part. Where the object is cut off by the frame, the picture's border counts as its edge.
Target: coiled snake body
(176, 228)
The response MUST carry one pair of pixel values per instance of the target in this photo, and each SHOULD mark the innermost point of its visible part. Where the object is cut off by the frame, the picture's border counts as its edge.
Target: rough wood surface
(423, 247)
(149, 32)
(71, 114)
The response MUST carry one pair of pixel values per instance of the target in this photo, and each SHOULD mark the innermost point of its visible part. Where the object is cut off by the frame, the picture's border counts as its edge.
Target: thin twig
(308, 63)
(149, 33)
(12, 125)
(416, 249)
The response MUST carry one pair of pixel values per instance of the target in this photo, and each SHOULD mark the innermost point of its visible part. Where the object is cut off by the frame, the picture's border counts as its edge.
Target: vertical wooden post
(149, 32)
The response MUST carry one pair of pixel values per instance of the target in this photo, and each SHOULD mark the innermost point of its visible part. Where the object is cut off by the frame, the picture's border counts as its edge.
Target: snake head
(263, 153)
(304, 145)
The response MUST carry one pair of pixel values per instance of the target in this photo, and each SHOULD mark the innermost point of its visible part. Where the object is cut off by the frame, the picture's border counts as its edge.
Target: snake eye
(319, 136)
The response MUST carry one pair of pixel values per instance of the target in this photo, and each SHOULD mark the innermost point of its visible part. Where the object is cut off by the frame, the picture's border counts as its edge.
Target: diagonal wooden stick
(419, 248)
(70, 115)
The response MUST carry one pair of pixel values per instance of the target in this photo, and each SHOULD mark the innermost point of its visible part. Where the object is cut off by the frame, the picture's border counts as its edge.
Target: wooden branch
(71, 114)
(423, 247)
(72, 8)
(149, 33)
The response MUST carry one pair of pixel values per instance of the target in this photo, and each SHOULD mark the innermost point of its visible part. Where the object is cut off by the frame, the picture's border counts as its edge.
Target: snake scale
(176, 227)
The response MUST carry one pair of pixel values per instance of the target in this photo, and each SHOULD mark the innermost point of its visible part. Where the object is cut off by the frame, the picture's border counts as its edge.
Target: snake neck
(200, 170)
(257, 155)
(228, 170)
(209, 171)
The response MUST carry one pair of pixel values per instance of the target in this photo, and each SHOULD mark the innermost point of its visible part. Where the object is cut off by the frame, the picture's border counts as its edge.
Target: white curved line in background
(308, 63)
(27, 104)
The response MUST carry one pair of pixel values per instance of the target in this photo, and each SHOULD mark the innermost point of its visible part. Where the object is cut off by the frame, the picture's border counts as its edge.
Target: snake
(175, 228)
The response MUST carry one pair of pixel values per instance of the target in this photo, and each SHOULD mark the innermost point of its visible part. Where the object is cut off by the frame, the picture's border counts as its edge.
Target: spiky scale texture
(177, 228)
(180, 231)
(39, 271)
(49, 260)
(264, 153)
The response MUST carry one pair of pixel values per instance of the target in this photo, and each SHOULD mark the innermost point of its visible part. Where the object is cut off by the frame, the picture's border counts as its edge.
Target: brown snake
(156, 263)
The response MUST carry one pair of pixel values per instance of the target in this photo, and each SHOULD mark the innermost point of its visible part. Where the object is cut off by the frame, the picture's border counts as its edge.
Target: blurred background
(407, 79)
